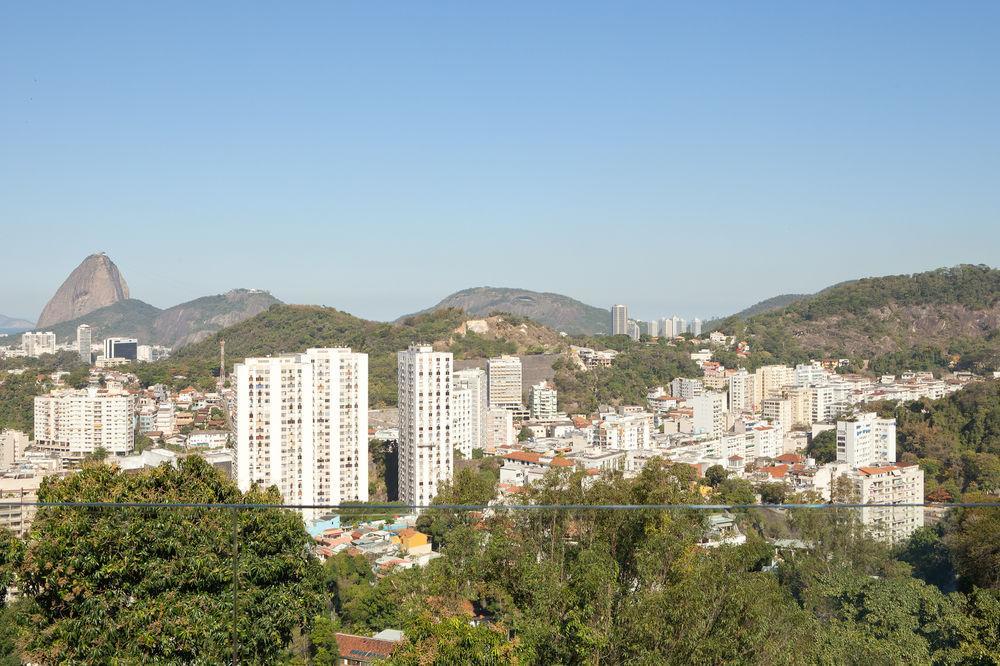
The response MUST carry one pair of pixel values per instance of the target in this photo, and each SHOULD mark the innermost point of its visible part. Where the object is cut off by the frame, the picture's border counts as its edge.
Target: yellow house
(414, 542)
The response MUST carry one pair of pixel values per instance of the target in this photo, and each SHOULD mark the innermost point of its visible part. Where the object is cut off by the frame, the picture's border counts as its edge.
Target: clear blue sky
(378, 156)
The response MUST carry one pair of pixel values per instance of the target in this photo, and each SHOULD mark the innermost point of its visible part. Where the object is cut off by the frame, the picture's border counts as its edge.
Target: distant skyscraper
(678, 325)
(302, 425)
(696, 327)
(426, 455)
(653, 328)
(127, 348)
(633, 330)
(682, 326)
(667, 327)
(84, 339)
(619, 320)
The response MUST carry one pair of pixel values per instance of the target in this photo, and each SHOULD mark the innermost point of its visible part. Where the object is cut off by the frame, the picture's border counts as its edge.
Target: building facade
(469, 410)
(544, 402)
(302, 425)
(504, 383)
(619, 320)
(426, 456)
(74, 423)
(84, 341)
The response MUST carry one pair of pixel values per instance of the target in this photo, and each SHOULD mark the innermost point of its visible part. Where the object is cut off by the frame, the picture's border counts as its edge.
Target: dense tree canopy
(140, 585)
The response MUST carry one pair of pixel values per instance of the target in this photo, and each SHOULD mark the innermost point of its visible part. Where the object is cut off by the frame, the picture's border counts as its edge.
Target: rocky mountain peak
(94, 284)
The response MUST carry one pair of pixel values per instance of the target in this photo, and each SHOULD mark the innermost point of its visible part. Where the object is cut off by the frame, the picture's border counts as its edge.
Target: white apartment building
(74, 423)
(653, 328)
(619, 320)
(625, 431)
(709, 415)
(667, 327)
(866, 440)
(504, 383)
(499, 428)
(544, 402)
(811, 374)
(426, 457)
(36, 344)
(696, 327)
(891, 484)
(164, 419)
(84, 342)
(683, 387)
(741, 391)
(468, 395)
(302, 425)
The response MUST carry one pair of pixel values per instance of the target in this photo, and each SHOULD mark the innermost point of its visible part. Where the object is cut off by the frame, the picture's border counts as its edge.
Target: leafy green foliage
(823, 447)
(153, 586)
(638, 367)
(956, 440)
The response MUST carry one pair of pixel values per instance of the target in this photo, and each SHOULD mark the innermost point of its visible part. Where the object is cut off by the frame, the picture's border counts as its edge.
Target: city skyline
(338, 142)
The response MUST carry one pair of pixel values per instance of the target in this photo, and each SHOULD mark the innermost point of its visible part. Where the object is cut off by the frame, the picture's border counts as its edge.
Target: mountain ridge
(557, 311)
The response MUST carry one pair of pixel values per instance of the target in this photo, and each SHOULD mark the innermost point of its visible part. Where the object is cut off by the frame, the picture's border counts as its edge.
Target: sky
(375, 157)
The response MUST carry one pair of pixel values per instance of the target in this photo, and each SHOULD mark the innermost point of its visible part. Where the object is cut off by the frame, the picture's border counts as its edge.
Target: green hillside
(933, 320)
(295, 328)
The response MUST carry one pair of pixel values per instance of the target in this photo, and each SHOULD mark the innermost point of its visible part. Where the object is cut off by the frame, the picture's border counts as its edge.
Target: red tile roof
(523, 456)
(790, 458)
(776, 472)
(363, 648)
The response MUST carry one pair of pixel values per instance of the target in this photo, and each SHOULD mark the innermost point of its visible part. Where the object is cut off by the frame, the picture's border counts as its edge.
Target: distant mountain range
(556, 311)
(173, 327)
(96, 293)
(11, 325)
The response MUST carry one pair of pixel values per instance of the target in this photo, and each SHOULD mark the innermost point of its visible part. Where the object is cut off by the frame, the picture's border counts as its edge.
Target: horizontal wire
(372, 508)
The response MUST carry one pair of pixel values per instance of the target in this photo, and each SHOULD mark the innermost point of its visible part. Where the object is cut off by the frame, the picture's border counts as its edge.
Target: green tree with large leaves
(156, 585)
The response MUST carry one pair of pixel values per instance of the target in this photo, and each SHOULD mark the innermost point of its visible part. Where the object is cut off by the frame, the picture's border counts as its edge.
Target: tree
(773, 493)
(930, 558)
(974, 540)
(525, 434)
(715, 475)
(737, 491)
(152, 586)
(823, 447)
(452, 641)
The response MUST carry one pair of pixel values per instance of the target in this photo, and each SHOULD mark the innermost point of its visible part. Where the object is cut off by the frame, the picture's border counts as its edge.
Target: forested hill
(949, 316)
(295, 328)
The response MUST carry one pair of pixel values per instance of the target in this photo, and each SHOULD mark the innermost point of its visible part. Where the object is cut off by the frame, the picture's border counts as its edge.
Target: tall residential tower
(426, 454)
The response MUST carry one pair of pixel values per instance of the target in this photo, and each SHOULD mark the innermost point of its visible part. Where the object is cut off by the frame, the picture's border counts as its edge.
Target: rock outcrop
(94, 284)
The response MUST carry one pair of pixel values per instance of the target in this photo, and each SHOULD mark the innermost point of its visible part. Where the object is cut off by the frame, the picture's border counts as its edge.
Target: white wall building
(683, 387)
(499, 428)
(302, 425)
(84, 342)
(741, 391)
(625, 431)
(709, 413)
(866, 440)
(891, 484)
(619, 320)
(36, 344)
(74, 423)
(426, 457)
(544, 402)
(468, 430)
